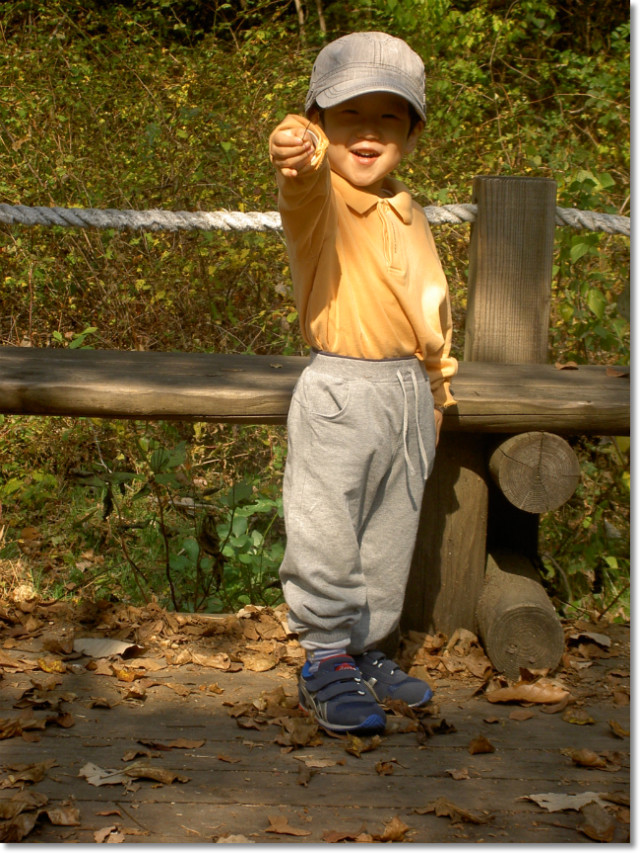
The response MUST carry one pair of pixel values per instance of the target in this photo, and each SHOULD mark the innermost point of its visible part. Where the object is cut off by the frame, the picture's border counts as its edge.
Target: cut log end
(536, 471)
(525, 637)
(517, 622)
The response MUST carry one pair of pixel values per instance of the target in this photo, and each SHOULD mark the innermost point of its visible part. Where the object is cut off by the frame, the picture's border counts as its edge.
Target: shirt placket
(389, 236)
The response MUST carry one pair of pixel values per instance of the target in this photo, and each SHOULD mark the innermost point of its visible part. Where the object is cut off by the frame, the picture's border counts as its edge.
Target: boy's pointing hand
(291, 151)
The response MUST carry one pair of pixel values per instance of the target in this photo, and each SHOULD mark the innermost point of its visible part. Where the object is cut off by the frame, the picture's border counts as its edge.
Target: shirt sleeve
(307, 210)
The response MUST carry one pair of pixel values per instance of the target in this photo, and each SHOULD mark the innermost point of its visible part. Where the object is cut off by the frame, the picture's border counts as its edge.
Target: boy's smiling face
(368, 137)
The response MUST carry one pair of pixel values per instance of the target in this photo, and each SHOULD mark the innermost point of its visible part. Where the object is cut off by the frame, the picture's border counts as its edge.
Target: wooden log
(536, 471)
(492, 398)
(516, 621)
(450, 553)
(509, 275)
(510, 267)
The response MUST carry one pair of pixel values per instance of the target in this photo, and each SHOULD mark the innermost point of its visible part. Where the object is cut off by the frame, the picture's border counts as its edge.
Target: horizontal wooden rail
(491, 398)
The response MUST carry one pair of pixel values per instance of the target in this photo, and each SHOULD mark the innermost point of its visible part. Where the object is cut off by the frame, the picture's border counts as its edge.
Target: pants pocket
(326, 397)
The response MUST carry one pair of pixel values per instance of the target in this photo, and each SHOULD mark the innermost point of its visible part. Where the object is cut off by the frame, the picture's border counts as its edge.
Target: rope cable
(230, 220)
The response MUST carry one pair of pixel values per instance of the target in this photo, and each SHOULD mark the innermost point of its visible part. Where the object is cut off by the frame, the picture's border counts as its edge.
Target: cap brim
(341, 92)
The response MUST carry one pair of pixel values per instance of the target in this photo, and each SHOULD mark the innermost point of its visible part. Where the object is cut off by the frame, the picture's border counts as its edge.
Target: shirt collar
(362, 202)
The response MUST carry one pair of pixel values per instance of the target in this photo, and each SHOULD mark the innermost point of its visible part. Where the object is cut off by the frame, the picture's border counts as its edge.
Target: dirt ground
(127, 725)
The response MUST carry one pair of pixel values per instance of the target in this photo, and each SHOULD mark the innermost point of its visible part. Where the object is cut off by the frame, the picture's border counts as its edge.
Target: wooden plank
(239, 777)
(492, 398)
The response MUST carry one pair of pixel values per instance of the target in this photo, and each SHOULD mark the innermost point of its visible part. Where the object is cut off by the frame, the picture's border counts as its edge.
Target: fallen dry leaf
(20, 664)
(101, 647)
(137, 691)
(459, 774)
(52, 665)
(259, 662)
(279, 824)
(394, 830)
(592, 636)
(621, 697)
(356, 745)
(543, 693)
(132, 754)
(443, 808)
(98, 776)
(480, 745)
(186, 743)
(568, 365)
(386, 768)
(154, 744)
(563, 802)
(577, 717)
(125, 673)
(618, 730)
(319, 763)
(334, 836)
(401, 725)
(558, 706)
(598, 824)
(233, 839)
(27, 773)
(156, 774)
(108, 835)
(520, 715)
(64, 814)
(180, 689)
(437, 727)
(305, 774)
(299, 731)
(220, 661)
(14, 830)
(19, 815)
(618, 372)
(10, 728)
(589, 758)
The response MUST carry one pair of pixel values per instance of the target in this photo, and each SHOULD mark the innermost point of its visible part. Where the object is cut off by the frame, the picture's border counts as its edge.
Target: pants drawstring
(423, 452)
(405, 423)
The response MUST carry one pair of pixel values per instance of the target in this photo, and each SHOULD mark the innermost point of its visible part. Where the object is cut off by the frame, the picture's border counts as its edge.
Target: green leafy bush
(151, 103)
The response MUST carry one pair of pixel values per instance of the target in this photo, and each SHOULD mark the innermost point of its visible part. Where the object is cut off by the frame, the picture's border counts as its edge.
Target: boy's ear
(412, 139)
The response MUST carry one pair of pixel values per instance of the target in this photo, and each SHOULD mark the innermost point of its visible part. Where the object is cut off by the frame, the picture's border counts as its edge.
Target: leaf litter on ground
(150, 639)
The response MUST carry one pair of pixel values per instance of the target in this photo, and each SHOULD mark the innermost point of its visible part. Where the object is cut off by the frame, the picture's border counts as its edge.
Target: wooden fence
(502, 458)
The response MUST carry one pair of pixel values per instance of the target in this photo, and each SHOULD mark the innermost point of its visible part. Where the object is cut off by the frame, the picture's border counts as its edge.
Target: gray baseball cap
(360, 63)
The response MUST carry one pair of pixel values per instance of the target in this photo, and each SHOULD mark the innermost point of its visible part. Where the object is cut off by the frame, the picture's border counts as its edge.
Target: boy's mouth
(364, 155)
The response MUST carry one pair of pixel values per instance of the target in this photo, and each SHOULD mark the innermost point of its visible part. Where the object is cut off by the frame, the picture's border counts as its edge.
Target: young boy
(365, 415)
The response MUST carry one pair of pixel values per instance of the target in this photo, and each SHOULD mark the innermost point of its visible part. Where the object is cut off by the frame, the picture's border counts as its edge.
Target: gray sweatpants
(361, 444)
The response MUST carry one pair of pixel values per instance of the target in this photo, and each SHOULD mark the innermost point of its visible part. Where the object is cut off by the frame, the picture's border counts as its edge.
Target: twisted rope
(229, 220)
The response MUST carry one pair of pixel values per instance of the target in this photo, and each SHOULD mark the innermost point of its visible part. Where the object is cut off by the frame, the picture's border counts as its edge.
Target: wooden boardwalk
(231, 761)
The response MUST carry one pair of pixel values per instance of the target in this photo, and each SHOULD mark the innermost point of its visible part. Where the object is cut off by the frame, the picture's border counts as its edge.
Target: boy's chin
(365, 183)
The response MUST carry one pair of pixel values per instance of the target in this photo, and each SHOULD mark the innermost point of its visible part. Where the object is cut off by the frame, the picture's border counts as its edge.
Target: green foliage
(150, 515)
(586, 543)
(169, 104)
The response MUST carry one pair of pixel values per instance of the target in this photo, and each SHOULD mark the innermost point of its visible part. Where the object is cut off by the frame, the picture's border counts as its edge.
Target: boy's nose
(368, 129)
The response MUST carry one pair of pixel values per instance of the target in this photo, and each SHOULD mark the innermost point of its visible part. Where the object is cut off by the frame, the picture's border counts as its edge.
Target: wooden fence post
(464, 514)
(510, 268)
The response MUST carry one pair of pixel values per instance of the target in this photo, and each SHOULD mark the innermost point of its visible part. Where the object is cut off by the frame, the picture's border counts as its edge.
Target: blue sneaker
(339, 698)
(388, 681)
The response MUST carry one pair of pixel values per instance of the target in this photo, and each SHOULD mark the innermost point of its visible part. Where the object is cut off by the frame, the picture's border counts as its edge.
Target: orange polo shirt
(367, 279)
